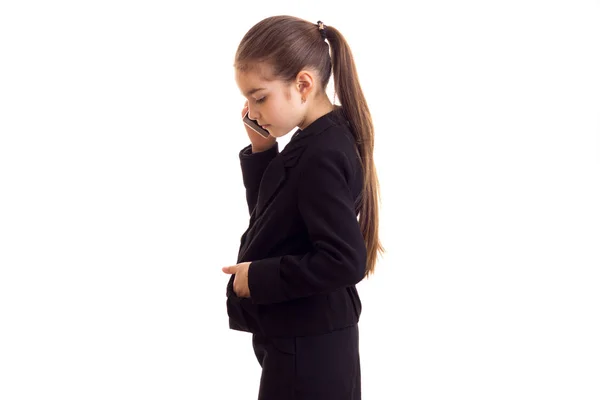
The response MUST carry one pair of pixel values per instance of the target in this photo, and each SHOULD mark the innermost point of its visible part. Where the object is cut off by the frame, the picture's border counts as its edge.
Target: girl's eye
(261, 100)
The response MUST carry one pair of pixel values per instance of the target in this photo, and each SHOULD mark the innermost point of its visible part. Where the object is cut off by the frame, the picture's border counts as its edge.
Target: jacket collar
(332, 118)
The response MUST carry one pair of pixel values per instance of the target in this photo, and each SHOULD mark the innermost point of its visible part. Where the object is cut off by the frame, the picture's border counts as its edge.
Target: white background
(122, 199)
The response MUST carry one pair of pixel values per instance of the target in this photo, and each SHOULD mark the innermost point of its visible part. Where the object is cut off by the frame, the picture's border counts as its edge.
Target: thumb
(230, 270)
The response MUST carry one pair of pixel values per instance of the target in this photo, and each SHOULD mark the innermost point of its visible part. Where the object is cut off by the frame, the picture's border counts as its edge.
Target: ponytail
(356, 110)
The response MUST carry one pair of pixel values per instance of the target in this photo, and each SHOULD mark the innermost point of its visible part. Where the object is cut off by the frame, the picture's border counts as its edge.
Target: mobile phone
(252, 124)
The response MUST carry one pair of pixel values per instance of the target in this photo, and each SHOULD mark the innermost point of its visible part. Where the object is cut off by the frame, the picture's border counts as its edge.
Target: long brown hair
(288, 45)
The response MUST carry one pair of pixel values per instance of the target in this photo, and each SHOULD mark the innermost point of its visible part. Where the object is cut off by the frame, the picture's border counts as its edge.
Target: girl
(294, 287)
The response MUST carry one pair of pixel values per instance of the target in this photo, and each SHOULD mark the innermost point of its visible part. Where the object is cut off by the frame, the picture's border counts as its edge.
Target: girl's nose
(251, 113)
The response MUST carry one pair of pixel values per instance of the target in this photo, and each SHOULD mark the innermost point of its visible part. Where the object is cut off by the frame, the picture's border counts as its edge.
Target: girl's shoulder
(333, 148)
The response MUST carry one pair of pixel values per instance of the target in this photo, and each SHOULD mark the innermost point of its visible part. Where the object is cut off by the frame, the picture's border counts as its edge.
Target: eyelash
(261, 100)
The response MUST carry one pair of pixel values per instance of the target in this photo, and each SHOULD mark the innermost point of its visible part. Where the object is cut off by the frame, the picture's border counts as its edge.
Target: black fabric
(303, 237)
(320, 367)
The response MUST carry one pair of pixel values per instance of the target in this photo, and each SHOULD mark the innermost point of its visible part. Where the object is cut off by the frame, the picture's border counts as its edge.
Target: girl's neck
(320, 108)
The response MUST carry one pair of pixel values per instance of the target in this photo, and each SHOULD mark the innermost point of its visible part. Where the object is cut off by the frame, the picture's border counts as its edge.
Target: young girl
(313, 230)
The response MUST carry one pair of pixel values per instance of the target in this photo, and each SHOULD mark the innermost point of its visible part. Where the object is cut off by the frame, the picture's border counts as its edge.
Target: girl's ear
(304, 82)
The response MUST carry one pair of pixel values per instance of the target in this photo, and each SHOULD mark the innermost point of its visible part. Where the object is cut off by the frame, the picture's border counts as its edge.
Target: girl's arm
(253, 166)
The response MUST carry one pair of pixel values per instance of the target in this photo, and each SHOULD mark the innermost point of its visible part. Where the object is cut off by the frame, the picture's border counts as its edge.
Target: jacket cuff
(247, 154)
(264, 281)
(253, 164)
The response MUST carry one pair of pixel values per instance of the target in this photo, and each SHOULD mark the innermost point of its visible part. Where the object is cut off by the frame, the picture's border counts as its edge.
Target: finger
(229, 270)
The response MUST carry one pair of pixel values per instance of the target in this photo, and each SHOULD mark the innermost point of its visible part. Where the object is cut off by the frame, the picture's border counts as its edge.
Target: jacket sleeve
(338, 255)
(253, 166)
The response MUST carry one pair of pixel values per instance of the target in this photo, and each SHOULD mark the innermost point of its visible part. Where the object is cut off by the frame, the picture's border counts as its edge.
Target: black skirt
(318, 367)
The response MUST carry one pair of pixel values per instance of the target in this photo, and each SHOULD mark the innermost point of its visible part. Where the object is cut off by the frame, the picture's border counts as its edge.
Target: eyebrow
(252, 91)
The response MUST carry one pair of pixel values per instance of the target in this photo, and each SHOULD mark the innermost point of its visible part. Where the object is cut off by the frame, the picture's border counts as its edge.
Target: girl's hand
(240, 282)
(259, 143)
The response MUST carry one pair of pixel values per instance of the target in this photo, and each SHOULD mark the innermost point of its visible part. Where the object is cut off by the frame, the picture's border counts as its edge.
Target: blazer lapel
(275, 175)
(273, 178)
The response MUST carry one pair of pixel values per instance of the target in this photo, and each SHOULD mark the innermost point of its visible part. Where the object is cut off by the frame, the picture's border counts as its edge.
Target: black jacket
(303, 238)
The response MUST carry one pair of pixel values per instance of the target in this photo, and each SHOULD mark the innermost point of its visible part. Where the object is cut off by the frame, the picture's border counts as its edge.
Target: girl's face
(274, 104)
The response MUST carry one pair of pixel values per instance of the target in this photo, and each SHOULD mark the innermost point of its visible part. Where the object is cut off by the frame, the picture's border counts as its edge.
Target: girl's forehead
(252, 80)
(249, 85)
(249, 77)
(256, 72)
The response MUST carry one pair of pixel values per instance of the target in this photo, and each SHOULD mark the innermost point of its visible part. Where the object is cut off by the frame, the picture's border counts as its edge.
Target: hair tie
(322, 29)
